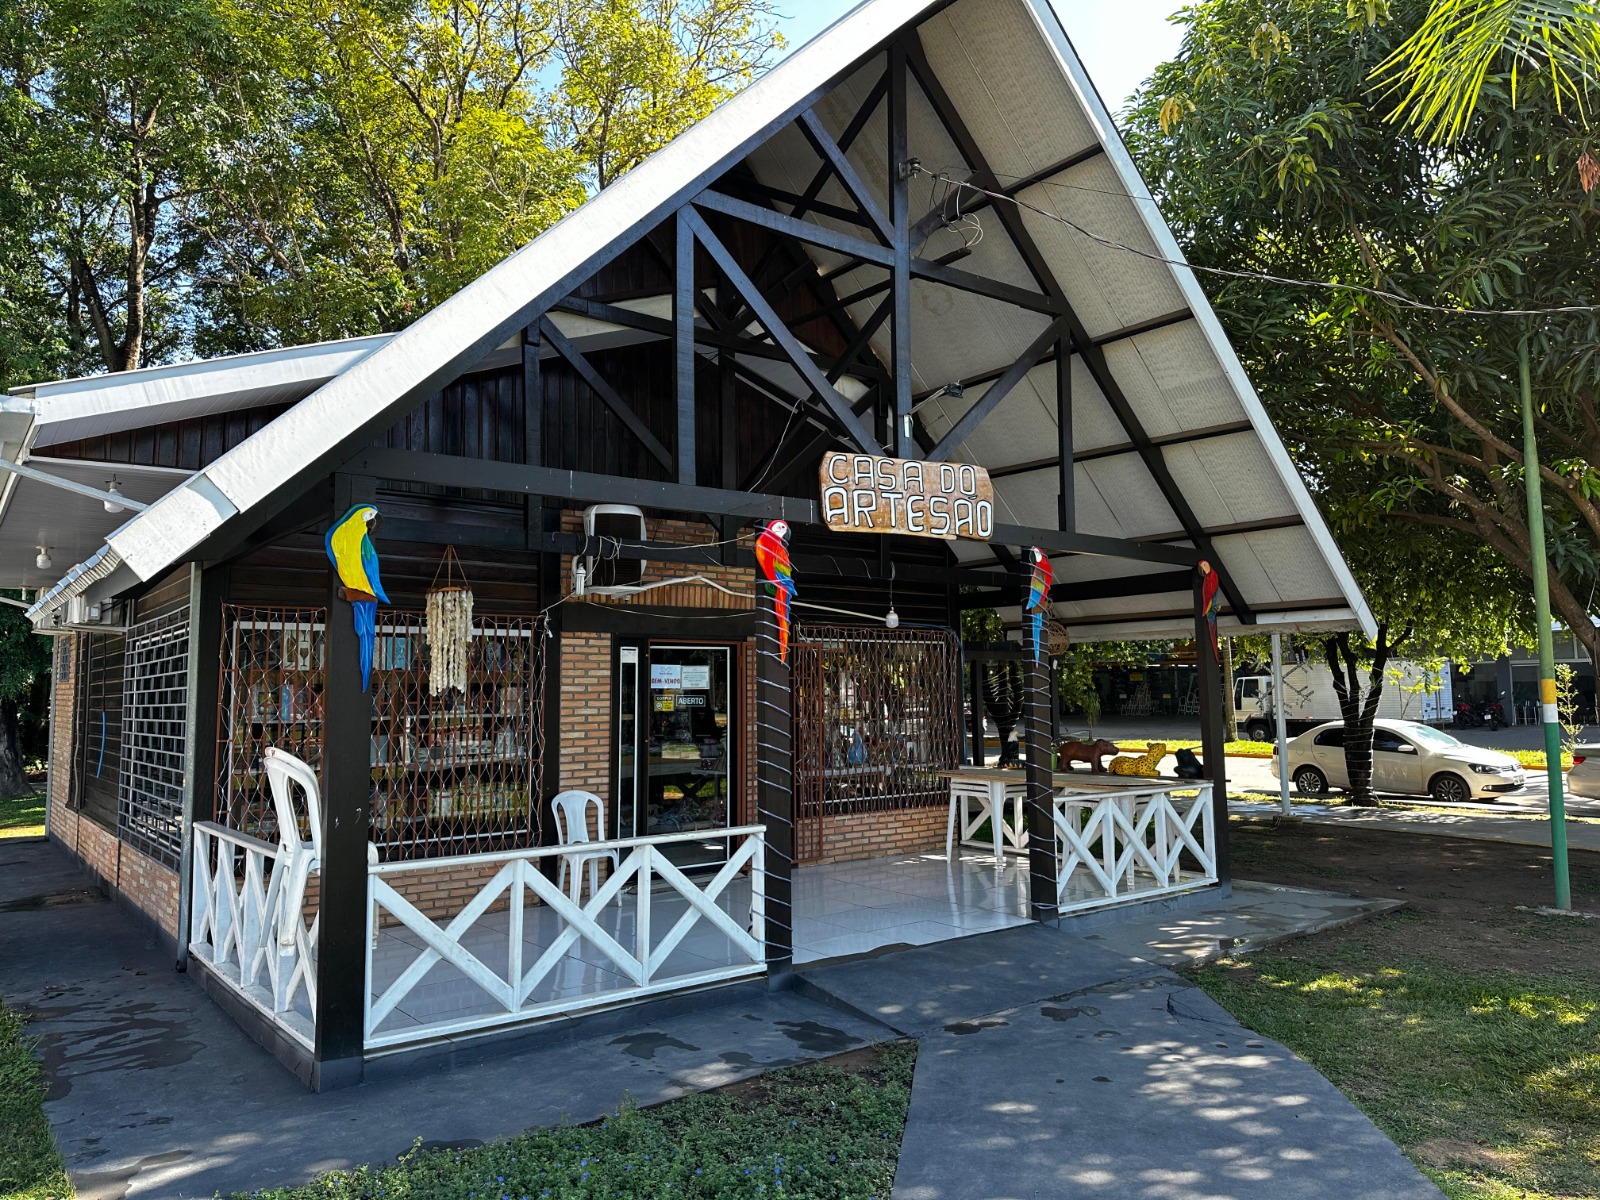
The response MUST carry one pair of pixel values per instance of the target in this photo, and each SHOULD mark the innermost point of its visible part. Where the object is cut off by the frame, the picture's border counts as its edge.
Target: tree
(118, 112)
(213, 176)
(1272, 150)
(24, 664)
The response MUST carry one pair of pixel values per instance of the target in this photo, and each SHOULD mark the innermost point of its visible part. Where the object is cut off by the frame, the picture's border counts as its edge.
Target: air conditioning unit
(604, 573)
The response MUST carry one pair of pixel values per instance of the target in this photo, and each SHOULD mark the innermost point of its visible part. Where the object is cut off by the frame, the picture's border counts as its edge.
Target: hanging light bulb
(112, 506)
(43, 559)
(893, 619)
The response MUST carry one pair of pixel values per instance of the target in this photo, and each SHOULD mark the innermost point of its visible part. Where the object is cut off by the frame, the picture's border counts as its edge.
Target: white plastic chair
(571, 811)
(297, 857)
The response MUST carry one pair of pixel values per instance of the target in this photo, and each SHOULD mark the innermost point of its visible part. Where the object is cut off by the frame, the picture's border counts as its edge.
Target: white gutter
(75, 582)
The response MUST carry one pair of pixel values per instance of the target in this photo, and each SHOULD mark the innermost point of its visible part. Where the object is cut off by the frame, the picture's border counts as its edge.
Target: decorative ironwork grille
(877, 716)
(451, 774)
(154, 726)
(270, 695)
(457, 773)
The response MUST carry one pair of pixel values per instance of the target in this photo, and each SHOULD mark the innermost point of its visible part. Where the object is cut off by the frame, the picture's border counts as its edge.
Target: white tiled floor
(843, 909)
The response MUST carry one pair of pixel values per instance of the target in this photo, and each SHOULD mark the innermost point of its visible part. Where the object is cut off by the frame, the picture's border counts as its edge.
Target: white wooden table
(979, 794)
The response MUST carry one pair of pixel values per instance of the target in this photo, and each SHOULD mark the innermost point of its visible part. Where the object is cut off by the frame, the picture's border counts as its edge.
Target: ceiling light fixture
(112, 486)
(43, 559)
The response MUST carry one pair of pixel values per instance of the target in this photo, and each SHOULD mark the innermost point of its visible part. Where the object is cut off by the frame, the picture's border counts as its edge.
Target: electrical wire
(1396, 298)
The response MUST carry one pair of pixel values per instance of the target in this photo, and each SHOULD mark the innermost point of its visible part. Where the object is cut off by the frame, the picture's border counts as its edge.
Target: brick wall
(736, 580)
(847, 838)
(149, 886)
(585, 750)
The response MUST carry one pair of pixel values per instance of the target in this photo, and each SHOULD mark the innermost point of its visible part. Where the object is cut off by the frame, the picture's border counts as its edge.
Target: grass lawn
(1468, 1030)
(825, 1131)
(30, 1167)
(22, 816)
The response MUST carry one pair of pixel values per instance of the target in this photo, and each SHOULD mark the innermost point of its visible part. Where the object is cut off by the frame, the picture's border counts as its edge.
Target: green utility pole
(1547, 655)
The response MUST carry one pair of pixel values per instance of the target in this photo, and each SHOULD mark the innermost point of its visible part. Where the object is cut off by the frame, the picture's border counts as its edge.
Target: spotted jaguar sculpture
(1144, 764)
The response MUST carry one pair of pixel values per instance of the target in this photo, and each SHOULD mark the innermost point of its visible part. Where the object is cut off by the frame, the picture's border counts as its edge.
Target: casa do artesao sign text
(862, 493)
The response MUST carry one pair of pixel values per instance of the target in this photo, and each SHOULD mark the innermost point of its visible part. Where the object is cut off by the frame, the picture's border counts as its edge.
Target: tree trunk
(1230, 716)
(1358, 709)
(13, 782)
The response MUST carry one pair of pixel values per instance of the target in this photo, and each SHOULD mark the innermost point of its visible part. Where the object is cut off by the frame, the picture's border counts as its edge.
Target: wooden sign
(862, 493)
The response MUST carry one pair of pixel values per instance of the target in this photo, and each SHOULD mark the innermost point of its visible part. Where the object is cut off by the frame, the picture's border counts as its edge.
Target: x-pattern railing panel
(642, 864)
(242, 928)
(1132, 842)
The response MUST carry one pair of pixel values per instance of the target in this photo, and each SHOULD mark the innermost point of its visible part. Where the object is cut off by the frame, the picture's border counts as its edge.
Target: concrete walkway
(1053, 1067)
(155, 1092)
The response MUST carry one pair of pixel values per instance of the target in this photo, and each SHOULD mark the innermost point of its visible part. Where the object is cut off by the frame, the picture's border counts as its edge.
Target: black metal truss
(1092, 355)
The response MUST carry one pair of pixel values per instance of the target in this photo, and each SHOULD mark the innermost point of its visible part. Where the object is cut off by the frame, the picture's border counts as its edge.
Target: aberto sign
(862, 493)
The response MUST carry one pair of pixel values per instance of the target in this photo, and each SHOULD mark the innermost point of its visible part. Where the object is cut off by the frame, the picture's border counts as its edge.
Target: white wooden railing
(503, 994)
(248, 926)
(1130, 844)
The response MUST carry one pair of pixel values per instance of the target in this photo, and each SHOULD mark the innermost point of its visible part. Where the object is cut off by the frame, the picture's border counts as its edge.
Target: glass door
(688, 769)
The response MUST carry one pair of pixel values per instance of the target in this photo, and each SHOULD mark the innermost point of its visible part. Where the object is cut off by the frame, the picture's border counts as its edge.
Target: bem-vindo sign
(862, 493)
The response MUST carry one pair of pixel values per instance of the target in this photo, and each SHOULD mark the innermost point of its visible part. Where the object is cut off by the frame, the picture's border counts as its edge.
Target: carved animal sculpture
(1189, 764)
(1145, 764)
(1089, 752)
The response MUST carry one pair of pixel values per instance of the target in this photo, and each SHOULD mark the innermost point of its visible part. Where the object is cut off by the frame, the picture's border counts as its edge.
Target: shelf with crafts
(458, 766)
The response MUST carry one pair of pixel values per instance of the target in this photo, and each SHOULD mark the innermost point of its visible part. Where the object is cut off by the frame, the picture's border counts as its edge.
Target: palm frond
(1442, 67)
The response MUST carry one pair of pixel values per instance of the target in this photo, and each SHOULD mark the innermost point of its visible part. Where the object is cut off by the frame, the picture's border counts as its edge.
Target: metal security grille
(99, 757)
(876, 717)
(451, 774)
(456, 773)
(154, 723)
(270, 695)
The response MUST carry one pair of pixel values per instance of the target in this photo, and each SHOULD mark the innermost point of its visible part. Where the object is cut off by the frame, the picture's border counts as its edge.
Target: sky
(1120, 42)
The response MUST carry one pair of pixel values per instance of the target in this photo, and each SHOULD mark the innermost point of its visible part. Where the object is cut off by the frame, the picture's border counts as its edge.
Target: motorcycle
(1475, 714)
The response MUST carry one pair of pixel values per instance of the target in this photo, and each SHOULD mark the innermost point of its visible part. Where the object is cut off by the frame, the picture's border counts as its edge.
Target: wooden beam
(773, 324)
(822, 142)
(1156, 584)
(969, 421)
(1059, 541)
(608, 395)
(519, 479)
(900, 273)
(1066, 496)
(683, 305)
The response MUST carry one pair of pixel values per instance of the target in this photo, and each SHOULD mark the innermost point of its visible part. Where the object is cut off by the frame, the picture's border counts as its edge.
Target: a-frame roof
(1170, 443)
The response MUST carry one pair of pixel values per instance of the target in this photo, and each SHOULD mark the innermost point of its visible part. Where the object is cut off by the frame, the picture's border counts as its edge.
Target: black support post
(207, 590)
(1041, 791)
(1067, 508)
(683, 298)
(1211, 727)
(975, 674)
(900, 287)
(775, 784)
(346, 792)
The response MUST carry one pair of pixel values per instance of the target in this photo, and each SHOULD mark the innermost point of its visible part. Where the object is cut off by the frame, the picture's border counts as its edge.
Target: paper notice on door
(665, 676)
(696, 679)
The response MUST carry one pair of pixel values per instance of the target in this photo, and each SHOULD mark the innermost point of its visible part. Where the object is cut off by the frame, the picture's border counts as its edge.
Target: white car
(1407, 758)
(1584, 778)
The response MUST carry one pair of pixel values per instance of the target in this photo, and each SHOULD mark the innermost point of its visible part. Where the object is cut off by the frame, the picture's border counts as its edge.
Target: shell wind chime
(449, 626)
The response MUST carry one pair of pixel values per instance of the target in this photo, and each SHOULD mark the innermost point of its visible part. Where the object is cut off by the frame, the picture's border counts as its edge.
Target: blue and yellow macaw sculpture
(772, 555)
(353, 556)
(1038, 596)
